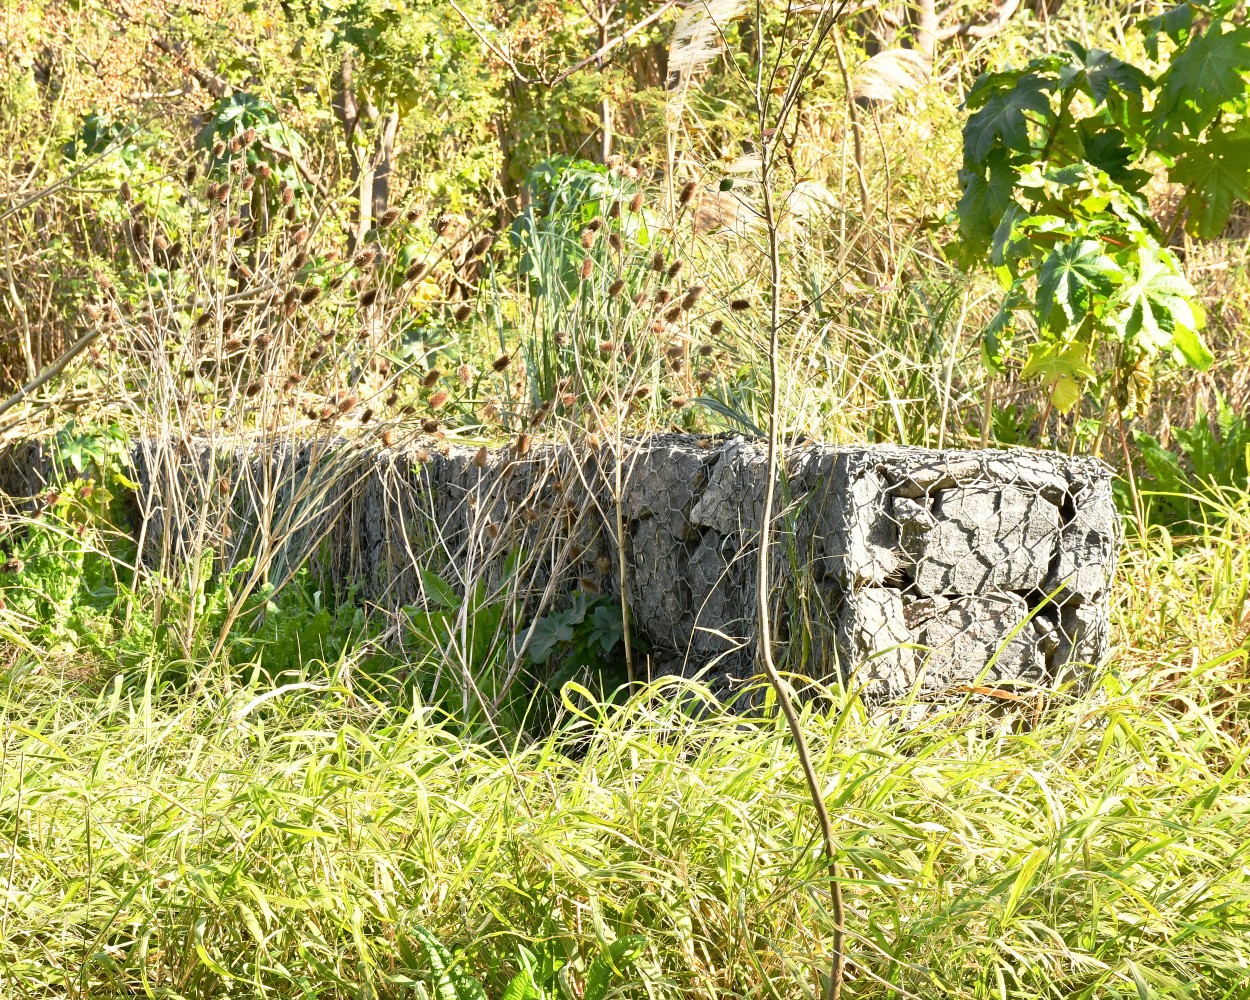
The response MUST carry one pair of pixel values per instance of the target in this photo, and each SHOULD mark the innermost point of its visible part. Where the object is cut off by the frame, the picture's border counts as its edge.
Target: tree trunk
(384, 163)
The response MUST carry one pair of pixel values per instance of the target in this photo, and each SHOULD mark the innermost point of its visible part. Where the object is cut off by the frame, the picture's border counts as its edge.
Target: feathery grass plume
(430, 426)
(616, 287)
(388, 218)
(368, 298)
(635, 203)
(657, 262)
(740, 305)
(889, 73)
(415, 271)
(587, 269)
(463, 313)
(431, 377)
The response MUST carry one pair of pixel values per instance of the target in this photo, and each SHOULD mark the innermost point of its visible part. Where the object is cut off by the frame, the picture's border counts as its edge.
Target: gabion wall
(900, 568)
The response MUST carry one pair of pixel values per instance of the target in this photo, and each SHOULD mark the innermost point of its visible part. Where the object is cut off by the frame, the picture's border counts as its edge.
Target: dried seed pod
(463, 313)
(740, 305)
(288, 195)
(687, 192)
(662, 298)
(415, 271)
(347, 404)
(588, 238)
(606, 347)
(616, 287)
(388, 218)
(431, 377)
(365, 256)
(387, 437)
(291, 295)
(290, 214)
(481, 458)
(253, 388)
(657, 262)
(691, 298)
(392, 399)
(482, 245)
(674, 269)
(439, 399)
(136, 230)
(635, 203)
(245, 272)
(614, 210)
(327, 413)
(236, 144)
(642, 392)
(124, 192)
(522, 446)
(501, 363)
(219, 149)
(189, 176)
(705, 350)
(678, 402)
(430, 426)
(299, 235)
(265, 171)
(368, 298)
(465, 374)
(201, 321)
(232, 345)
(676, 351)
(223, 193)
(414, 215)
(442, 224)
(309, 295)
(366, 416)
(715, 329)
(248, 182)
(673, 312)
(299, 260)
(249, 136)
(567, 400)
(561, 338)
(614, 241)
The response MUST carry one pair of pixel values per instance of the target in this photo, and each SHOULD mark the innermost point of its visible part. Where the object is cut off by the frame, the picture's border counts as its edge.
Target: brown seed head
(588, 238)
(635, 203)
(463, 312)
(482, 245)
(614, 210)
(415, 271)
(369, 297)
(219, 149)
(465, 374)
(657, 262)
(482, 456)
(687, 192)
(522, 445)
(288, 195)
(441, 224)
(387, 437)
(740, 305)
(389, 218)
(431, 377)
(674, 269)
(501, 363)
(430, 426)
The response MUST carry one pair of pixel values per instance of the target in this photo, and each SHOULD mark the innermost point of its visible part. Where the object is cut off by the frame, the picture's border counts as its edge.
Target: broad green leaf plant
(1057, 156)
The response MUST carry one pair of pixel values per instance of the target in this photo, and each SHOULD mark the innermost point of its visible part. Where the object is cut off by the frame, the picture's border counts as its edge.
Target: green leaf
(1216, 173)
(1070, 278)
(450, 981)
(985, 200)
(1104, 73)
(1002, 119)
(1206, 73)
(438, 591)
(1064, 367)
(1159, 310)
(611, 964)
(521, 987)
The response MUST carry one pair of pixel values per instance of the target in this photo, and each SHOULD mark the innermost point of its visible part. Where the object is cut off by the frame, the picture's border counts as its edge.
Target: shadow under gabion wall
(895, 568)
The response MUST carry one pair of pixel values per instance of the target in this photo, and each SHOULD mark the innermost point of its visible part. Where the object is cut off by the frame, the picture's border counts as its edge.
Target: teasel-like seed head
(249, 136)
(588, 238)
(431, 378)
(290, 213)
(441, 224)
(232, 344)
(676, 351)
(614, 241)
(136, 230)
(678, 402)
(365, 256)
(309, 295)
(236, 144)
(616, 287)
(501, 363)
(463, 312)
(327, 413)
(414, 215)
(640, 297)
(299, 235)
(606, 347)
(238, 166)
(202, 320)
(288, 195)
(210, 191)
(290, 296)
(264, 171)
(223, 193)
(595, 224)
(482, 245)
(522, 446)
(235, 221)
(415, 271)
(366, 416)
(482, 457)
(248, 182)
(674, 269)
(430, 426)
(368, 298)
(567, 400)
(408, 410)
(439, 399)
(392, 399)
(740, 305)
(614, 210)
(662, 298)
(219, 149)
(253, 388)
(706, 350)
(245, 272)
(347, 404)
(704, 377)
(189, 176)
(715, 330)
(300, 259)
(687, 192)
(691, 298)
(673, 313)
(635, 203)
(465, 374)
(124, 192)
(588, 268)
(316, 353)
(657, 262)
(387, 437)
(388, 218)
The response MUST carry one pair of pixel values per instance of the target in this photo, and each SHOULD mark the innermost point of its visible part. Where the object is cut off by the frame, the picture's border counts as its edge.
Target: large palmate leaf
(1216, 175)
(1003, 119)
(1064, 367)
(1070, 278)
(1159, 310)
(984, 201)
(1205, 74)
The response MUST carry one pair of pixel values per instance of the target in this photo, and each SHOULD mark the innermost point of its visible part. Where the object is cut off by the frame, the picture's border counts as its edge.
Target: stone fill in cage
(899, 569)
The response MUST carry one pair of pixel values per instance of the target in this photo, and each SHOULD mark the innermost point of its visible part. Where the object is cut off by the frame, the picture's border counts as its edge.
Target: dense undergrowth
(239, 836)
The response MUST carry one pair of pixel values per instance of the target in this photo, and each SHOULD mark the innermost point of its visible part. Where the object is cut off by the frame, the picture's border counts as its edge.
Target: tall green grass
(288, 841)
